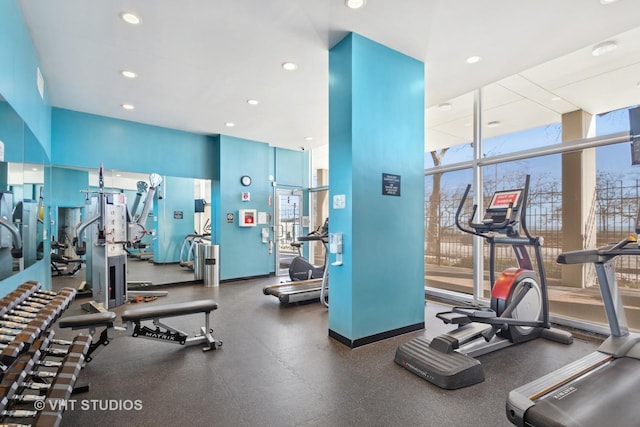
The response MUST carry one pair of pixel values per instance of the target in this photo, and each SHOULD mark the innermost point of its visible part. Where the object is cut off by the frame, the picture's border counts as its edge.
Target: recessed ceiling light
(308, 138)
(229, 124)
(34, 169)
(607, 1)
(128, 106)
(289, 66)
(129, 74)
(354, 4)
(130, 18)
(445, 106)
(556, 98)
(252, 101)
(604, 48)
(473, 59)
(493, 124)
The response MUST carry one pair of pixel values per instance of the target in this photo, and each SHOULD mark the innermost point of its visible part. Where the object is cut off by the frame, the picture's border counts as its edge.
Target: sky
(614, 159)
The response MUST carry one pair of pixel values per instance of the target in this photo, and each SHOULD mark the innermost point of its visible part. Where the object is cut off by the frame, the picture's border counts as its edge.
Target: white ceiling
(198, 61)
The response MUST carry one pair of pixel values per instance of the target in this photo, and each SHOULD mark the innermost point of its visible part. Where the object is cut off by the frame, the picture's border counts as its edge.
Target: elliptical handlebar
(482, 228)
(459, 211)
(475, 226)
(523, 209)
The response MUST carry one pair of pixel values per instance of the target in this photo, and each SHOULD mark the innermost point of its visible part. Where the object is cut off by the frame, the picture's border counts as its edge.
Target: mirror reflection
(22, 226)
(164, 220)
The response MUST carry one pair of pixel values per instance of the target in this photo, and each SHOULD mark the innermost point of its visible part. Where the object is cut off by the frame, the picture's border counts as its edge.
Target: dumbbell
(8, 302)
(29, 333)
(33, 326)
(17, 315)
(29, 364)
(30, 303)
(44, 346)
(23, 313)
(59, 389)
(30, 329)
(42, 294)
(28, 317)
(49, 295)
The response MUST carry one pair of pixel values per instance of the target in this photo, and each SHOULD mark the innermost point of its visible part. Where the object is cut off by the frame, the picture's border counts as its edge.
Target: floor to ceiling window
(584, 192)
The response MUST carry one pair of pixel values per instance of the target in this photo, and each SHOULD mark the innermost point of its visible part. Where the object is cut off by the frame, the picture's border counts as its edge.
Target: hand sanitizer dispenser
(335, 247)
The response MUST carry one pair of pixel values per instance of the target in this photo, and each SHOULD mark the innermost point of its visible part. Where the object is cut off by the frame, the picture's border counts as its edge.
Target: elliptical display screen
(502, 199)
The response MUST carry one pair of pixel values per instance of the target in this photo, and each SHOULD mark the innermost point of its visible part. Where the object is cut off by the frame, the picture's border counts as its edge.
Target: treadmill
(303, 290)
(292, 292)
(602, 388)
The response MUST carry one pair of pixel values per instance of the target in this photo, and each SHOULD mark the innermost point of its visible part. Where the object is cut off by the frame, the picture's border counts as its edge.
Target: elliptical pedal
(446, 370)
(450, 317)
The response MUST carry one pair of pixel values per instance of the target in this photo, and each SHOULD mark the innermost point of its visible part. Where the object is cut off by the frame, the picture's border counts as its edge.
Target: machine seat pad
(86, 320)
(169, 310)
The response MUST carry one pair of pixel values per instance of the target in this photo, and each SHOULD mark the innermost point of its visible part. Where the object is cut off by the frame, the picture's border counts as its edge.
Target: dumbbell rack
(38, 373)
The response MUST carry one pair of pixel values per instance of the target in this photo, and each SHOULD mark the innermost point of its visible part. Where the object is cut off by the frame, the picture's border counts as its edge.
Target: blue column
(376, 159)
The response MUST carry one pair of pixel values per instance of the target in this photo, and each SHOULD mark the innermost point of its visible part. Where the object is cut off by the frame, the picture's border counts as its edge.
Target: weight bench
(74, 264)
(133, 326)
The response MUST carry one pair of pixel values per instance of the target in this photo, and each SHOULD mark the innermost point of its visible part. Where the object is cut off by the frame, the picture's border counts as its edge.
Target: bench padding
(169, 310)
(86, 320)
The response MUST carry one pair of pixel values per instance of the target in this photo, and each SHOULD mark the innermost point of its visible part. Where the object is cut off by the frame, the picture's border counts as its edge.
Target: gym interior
(331, 213)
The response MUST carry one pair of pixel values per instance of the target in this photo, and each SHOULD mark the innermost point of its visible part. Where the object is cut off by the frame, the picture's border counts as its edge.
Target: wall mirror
(176, 220)
(22, 183)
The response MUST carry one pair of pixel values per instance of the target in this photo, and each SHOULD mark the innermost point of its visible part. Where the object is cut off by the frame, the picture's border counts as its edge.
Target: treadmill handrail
(314, 238)
(601, 254)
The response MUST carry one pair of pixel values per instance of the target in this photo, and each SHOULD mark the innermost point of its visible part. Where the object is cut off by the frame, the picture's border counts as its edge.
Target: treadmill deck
(291, 292)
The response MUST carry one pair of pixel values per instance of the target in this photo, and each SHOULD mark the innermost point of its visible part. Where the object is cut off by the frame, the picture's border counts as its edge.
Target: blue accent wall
(18, 74)
(60, 137)
(242, 253)
(223, 159)
(11, 133)
(171, 229)
(18, 77)
(87, 140)
(376, 126)
(40, 272)
(291, 167)
(67, 193)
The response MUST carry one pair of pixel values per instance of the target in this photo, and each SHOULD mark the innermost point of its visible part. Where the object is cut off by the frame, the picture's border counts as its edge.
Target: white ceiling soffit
(199, 61)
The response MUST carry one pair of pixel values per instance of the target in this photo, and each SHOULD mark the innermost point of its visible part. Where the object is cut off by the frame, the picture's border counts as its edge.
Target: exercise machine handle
(459, 212)
(474, 226)
(523, 210)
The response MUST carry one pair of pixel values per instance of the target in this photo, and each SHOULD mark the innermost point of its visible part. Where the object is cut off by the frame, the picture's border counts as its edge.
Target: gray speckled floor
(278, 367)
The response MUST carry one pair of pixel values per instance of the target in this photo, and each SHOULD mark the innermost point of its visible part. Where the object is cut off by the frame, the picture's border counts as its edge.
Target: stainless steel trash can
(211, 267)
(198, 260)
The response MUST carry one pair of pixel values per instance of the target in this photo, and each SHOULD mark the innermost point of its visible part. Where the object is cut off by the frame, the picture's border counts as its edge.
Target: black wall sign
(390, 184)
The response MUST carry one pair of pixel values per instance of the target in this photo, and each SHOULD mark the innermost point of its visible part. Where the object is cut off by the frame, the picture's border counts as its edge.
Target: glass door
(288, 218)
(319, 199)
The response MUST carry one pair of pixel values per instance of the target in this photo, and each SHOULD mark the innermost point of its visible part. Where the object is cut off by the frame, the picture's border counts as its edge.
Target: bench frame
(134, 327)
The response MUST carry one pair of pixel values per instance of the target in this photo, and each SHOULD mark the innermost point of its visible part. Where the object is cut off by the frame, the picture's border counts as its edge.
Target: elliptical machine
(300, 268)
(519, 308)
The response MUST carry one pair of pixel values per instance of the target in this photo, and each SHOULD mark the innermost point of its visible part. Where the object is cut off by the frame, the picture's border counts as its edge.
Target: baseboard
(374, 338)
